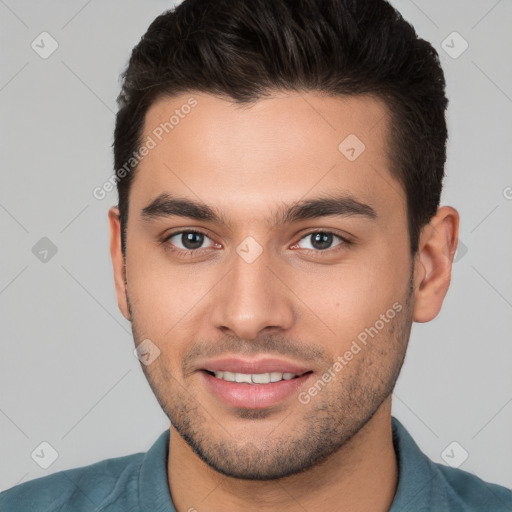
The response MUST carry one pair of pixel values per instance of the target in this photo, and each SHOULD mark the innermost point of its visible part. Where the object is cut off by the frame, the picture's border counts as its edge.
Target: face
(261, 248)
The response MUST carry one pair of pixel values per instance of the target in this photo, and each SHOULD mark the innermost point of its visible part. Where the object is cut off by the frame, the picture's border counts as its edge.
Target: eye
(322, 241)
(190, 241)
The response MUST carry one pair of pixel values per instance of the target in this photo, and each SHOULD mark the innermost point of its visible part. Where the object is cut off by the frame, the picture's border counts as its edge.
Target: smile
(255, 378)
(253, 390)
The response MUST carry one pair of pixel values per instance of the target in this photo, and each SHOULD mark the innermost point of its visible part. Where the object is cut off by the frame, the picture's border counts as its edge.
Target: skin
(295, 301)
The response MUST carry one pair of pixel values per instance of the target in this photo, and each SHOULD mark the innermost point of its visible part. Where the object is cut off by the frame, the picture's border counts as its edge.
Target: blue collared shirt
(138, 483)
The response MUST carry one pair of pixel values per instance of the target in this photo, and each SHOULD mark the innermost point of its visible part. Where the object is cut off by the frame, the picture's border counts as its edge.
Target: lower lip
(253, 396)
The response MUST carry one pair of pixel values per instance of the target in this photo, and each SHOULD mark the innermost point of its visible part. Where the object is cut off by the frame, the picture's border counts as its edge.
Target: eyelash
(345, 242)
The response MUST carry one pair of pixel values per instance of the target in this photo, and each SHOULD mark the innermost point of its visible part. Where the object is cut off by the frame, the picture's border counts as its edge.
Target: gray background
(67, 372)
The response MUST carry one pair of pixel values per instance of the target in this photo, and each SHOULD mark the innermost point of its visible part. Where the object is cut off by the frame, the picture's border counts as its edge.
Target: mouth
(255, 378)
(253, 390)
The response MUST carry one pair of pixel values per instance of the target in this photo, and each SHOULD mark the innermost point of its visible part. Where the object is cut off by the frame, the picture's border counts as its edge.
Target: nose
(252, 299)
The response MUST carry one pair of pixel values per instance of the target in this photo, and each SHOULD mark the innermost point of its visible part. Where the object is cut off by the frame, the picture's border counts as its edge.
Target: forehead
(247, 158)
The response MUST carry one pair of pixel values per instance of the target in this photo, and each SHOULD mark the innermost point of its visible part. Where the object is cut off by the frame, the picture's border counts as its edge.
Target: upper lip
(255, 366)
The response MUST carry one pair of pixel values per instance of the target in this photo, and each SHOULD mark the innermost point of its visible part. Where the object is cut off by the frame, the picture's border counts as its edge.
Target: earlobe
(433, 266)
(118, 262)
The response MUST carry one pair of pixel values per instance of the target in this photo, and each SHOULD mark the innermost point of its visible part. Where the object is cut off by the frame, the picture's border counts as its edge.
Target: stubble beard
(329, 421)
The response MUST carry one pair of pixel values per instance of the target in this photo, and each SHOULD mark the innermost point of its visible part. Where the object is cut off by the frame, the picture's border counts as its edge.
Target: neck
(360, 476)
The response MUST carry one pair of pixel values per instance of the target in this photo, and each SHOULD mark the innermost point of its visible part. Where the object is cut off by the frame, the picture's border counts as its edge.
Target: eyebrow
(166, 205)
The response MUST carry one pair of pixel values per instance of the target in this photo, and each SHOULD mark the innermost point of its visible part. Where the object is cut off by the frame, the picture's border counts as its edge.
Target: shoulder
(470, 493)
(425, 485)
(92, 487)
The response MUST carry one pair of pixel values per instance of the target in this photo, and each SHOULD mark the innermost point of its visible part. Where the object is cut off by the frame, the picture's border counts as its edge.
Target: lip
(253, 396)
(237, 365)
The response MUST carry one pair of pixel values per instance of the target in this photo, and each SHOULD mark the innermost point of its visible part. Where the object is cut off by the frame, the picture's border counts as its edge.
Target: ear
(118, 262)
(433, 265)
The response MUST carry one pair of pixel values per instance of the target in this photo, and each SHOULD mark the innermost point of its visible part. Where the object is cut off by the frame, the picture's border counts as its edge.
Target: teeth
(275, 376)
(260, 378)
(255, 378)
(243, 377)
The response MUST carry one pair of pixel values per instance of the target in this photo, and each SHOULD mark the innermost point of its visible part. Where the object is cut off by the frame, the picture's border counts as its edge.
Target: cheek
(153, 287)
(350, 298)
(165, 296)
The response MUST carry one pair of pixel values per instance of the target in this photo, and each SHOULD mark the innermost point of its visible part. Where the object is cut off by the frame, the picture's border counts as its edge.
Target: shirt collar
(415, 474)
(154, 491)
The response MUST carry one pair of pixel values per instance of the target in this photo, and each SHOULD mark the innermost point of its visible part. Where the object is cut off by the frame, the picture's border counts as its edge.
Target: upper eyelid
(344, 239)
(195, 231)
(309, 233)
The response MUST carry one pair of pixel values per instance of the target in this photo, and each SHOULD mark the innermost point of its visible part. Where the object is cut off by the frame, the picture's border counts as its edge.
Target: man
(279, 165)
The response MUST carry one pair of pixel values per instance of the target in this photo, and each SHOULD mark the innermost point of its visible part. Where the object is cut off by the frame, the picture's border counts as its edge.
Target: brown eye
(187, 240)
(322, 240)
